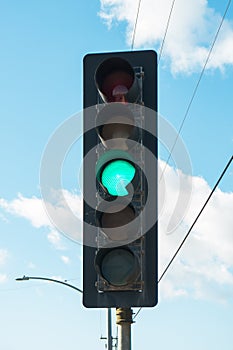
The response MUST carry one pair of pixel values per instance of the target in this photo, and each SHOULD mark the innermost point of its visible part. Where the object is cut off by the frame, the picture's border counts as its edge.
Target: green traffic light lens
(116, 176)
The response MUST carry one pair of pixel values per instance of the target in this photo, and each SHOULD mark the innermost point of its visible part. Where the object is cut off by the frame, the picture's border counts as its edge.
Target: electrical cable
(137, 313)
(196, 87)
(166, 30)
(194, 222)
(135, 26)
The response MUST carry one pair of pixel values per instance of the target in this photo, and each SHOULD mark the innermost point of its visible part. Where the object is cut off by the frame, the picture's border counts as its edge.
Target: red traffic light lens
(114, 79)
(116, 85)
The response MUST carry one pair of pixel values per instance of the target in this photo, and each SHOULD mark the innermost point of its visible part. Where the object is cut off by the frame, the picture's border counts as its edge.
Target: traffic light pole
(109, 329)
(124, 321)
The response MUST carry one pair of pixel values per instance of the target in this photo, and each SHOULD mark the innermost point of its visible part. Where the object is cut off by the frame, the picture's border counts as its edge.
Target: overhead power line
(135, 26)
(166, 30)
(194, 222)
(197, 85)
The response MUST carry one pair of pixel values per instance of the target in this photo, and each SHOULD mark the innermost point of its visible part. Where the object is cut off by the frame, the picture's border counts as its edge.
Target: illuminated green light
(116, 176)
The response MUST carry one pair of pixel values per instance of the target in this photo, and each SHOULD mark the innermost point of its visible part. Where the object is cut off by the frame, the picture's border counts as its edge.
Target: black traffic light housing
(119, 258)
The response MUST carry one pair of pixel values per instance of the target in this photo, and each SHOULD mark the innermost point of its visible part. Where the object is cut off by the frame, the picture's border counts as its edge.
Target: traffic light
(120, 179)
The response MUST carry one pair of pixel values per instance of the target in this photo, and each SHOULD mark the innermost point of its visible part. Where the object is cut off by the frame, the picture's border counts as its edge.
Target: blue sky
(42, 45)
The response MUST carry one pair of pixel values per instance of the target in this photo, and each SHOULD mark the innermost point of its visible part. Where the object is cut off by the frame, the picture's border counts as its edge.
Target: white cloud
(203, 267)
(59, 278)
(206, 257)
(65, 259)
(192, 28)
(65, 211)
(3, 278)
(55, 239)
(3, 218)
(3, 256)
(169, 290)
(31, 265)
(31, 209)
(56, 217)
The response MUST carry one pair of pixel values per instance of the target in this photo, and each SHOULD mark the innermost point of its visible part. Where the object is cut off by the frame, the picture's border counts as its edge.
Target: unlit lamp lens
(113, 224)
(119, 267)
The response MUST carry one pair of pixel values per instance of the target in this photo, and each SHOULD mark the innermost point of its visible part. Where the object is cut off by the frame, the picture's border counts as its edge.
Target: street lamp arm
(26, 278)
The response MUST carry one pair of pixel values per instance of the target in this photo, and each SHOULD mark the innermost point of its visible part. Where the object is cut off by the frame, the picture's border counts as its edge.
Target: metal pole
(27, 278)
(109, 329)
(124, 321)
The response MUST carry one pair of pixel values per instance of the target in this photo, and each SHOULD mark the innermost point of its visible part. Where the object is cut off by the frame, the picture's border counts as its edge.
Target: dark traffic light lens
(113, 222)
(115, 124)
(117, 218)
(119, 267)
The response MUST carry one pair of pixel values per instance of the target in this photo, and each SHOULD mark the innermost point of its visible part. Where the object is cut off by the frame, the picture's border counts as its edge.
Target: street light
(109, 316)
(26, 278)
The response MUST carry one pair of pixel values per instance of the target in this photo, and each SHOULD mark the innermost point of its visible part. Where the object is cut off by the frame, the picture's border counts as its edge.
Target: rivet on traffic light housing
(120, 268)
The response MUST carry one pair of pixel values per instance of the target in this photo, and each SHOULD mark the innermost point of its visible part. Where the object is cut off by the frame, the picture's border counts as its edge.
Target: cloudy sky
(42, 48)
